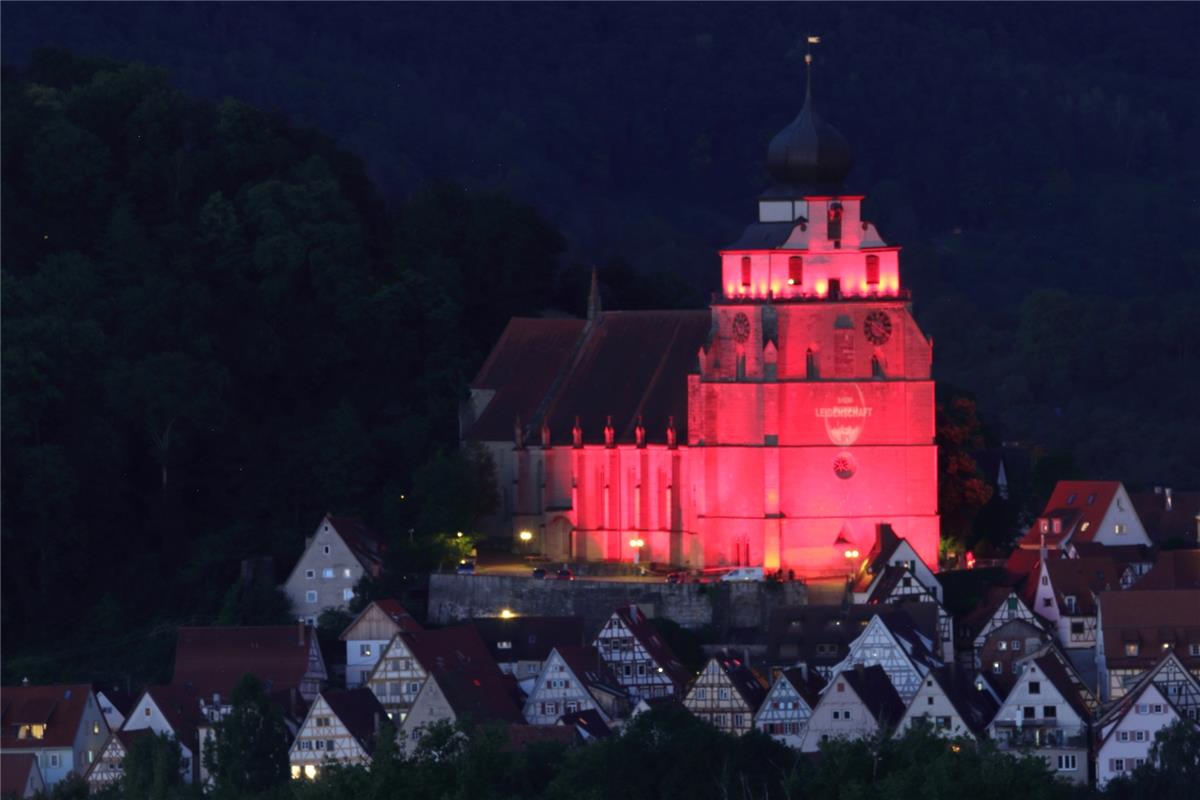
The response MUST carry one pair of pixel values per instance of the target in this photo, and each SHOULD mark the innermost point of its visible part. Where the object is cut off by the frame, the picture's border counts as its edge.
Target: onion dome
(809, 153)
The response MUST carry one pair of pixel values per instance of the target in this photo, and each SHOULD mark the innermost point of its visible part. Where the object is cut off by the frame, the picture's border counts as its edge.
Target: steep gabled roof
(59, 707)
(588, 723)
(1151, 620)
(744, 680)
(590, 669)
(876, 692)
(458, 647)
(808, 687)
(885, 546)
(1131, 696)
(403, 621)
(212, 660)
(364, 543)
(645, 632)
(14, 773)
(359, 710)
(527, 638)
(1057, 673)
(1081, 578)
(1162, 524)
(1080, 505)
(977, 707)
(180, 707)
(481, 697)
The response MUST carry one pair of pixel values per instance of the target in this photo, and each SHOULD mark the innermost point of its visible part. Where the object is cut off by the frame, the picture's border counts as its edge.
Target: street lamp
(637, 544)
(506, 613)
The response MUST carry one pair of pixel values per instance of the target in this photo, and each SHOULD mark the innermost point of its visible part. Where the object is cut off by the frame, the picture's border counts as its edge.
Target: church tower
(811, 419)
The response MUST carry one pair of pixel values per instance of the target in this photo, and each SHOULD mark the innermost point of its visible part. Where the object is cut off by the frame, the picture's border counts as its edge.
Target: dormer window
(835, 222)
(1045, 525)
(872, 270)
(746, 277)
(1131, 649)
(795, 271)
(1070, 499)
(1069, 602)
(1057, 525)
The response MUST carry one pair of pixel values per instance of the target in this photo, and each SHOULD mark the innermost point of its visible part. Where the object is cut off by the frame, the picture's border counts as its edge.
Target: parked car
(466, 567)
(565, 574)
(539, 573)
(744, 574)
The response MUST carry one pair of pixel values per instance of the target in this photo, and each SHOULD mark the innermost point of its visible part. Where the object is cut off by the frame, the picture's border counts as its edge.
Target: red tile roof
(1081, 578)
(1181, 522)
(1173, 569)
(397, 614)
(744, 680)
(527, 638)
(14, 773)
(589, 668)
(362, 541)
(1080, 505)
(59, 707)
(627, 364)
(458, 647)
(1149, 619)
(645, 632)
(481, 697)
(213, 660)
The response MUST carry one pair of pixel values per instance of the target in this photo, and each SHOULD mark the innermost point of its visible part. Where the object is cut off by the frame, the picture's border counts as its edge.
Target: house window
(327, 572)
(1131, 649)
(941, 723)
(846, 714)
(872, 270)
(572, 707)
(1050, 712)
(1012, 604)
(346, 573)
(1066, 763)
(1119, 527)
(96, 727)
(1139, 736)
(146, 711)
(310, 574)
(1118, 765)
(701, 694)
(1016, 645)
(1157, 708)
(325, 549)
(1048, 602)
(1045, 580)
(551, 708)
(723, 694)
(1077, 628)
(841, 687)
(364, 650)
(1122, 736)
(347, 595)
(627, 670)
(1035, 687)
(746, 277)
(1003, 645)
(55, 760)
(928, 701)
(997, 669)
(795, 270)
(329, 744)
(91, 756)
(1069, 601)
(811, 372)
(641, 670)
(1030, 712)
(310, 597)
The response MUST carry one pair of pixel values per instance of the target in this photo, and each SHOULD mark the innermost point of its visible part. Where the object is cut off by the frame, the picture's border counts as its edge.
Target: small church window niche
(610, 433)
(835, 223)
(671, 443)
(873, 270)
(844, 466)
(577, 434)
(518, 433)
(795, 271)
(811, 369)
(545, 434)
(746, 276)
(639, 432)
(877, 367)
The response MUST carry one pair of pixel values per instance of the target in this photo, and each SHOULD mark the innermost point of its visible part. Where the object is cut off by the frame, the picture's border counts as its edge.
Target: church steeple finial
(808, 62)
(593, 308)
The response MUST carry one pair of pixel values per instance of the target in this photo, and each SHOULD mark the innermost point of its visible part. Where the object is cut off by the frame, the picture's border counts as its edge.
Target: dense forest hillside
(219, 324)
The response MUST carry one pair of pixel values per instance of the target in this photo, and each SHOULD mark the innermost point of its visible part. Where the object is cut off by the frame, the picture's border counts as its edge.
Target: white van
(744, 574)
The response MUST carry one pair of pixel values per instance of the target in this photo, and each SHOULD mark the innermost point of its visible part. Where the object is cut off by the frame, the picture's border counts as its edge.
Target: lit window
(746, 275)
(1119, 527)
(346, 573)
(1131, 649)
(347, 595)
(96, 727)
(872, 270)
(795, 271)
(327, 572)
(310, 597)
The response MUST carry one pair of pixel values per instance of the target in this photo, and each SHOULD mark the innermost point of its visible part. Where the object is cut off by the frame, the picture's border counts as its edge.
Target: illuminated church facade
(781, 428)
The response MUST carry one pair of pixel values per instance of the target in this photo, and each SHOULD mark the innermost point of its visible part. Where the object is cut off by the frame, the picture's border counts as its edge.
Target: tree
(152, 768)
(962, 491)
(1173, 769)
(249, 754)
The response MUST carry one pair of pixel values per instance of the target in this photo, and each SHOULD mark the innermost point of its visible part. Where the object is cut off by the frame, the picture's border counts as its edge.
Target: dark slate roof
(631, 363)
(743, 679)
(521, 369)
(1173, 569)
(589, 723)
(481, 697)
(977, 707)
(1162, 525)
(809, 154)
(359, 710)
(1149, 619)
(590, 669)
(459, 647)
(213, 660)
(121, 700)
(627, 363)
(1057, 673)
(875, 689)
(530, 638)
(801, 629)
(1081, 578)
(645, 632)
(808, 687)
(59, 707)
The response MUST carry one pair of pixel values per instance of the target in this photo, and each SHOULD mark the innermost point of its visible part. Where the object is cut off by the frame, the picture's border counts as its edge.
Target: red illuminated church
(780, 428)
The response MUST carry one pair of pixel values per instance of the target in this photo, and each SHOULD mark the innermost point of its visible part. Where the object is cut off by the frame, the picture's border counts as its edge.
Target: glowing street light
(525, 536)
(637, 544)
(851, 554)
(507, 613)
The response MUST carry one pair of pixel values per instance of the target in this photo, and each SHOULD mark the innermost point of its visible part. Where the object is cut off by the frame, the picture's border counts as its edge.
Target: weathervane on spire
(808, 60)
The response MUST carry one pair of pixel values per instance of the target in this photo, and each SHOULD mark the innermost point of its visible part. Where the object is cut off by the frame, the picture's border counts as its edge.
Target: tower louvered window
(745, 270)
(872, 270)
(795, 271)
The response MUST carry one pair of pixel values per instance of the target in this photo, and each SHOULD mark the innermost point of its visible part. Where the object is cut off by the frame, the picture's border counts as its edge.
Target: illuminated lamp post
(526, 537)
(637, 544)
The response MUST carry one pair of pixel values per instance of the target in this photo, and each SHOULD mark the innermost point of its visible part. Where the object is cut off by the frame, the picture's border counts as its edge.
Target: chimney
(1167, 494)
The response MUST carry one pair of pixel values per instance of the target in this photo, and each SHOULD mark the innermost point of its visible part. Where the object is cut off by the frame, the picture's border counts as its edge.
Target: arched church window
(872, 270)
(746, 271)
(795, 271)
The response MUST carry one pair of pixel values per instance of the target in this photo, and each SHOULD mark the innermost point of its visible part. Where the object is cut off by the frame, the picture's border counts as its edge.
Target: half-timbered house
(727, 693)
(521, 644)
(899, 584)
(172, 711)
(575, 679)
(1046, 712)
(789, 703)
(340, 728)
(1136, 628)
(857, 703)
(108, 768)
(950, 706)
(1063, 593)
(891, 550)
(1006, 647)
(368, 635)
(640, 660)
(893, 642)
(410, 656)
(1001, 605)
(466, 696)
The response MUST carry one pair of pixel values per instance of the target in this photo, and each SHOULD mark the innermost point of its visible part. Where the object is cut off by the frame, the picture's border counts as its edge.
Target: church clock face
(741, 328)
(878, 327)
